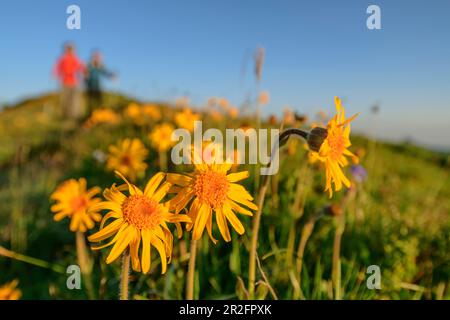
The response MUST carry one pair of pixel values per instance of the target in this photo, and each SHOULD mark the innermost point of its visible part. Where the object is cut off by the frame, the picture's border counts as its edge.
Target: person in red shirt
(68, 70)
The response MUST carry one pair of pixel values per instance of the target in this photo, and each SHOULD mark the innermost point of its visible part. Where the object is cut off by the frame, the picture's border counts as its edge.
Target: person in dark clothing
(95, 71)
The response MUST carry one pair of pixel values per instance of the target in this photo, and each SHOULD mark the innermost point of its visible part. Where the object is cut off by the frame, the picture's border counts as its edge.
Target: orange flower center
(142, 212)
(211, 187)
(79, 203)
(126, 160)
(337, 145)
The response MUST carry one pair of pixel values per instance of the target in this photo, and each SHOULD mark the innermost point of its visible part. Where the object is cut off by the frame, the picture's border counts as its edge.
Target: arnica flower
(133, 111)
(212, 190)
(9, 291)
(215, 115)
(160, 137)
(140, 222)
(151, 111)
(224, 103)
(186, 118)
(334, 143)
(233, 112)
(99, 116)
(73, 200)
(128, 158)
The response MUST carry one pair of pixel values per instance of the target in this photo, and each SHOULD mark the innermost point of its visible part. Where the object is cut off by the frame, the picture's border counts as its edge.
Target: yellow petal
(106, 232)
(238, 176)
(146, 250)
(222, 224)
(157, 243)
(161, 192)
(153, 183)
(121, 244)
(234, 221)
(200, 221)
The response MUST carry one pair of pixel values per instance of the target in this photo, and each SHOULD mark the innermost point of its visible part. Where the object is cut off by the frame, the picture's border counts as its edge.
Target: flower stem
(162, 161)
(254, 240)
(191, 271)
(82, 255)
(306, 233)
(336, 268)
(30, 260)
(262, 194)
(84, 262)
(125, 275)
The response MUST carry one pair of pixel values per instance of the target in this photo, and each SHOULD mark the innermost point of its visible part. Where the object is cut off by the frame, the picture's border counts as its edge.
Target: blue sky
(314, 50)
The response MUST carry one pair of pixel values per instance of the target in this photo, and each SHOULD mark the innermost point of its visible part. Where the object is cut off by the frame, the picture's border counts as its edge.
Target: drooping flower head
(140, 222)
(73, 200)
(160, 137)
(334, 144)
(211, 191)
(186, 118)
(128, 158)
(9, 291)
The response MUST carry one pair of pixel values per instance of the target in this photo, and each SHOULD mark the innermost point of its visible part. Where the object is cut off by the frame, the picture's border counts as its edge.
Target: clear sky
(314, 50)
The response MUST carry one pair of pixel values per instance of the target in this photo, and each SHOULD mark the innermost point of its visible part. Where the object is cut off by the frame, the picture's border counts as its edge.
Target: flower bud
(316, 137)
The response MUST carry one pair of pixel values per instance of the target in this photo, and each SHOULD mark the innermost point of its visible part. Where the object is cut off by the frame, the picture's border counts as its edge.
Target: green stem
(125, 275)
(33, 261)
(261, 196)
(85, 263)
(336, 268)
(191, 271)
(162, 161)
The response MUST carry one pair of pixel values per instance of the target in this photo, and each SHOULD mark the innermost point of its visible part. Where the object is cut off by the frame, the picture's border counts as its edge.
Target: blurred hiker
(68, 70)
(95, 71)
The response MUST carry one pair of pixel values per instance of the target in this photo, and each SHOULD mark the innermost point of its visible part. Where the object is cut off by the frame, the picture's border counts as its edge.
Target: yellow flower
(334, 148)
(186, 119)
(102, 116)
(224, 103)
(9, 291)
(160, 137)
(234, 112)
(140, 222)
(128, 157)
(216, 115)
(73, 200)
(133, 111)
(141, 115)
(212, 191)
(151, 111)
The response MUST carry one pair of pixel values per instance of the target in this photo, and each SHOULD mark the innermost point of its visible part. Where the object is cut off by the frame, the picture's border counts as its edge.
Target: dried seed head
(316, 137)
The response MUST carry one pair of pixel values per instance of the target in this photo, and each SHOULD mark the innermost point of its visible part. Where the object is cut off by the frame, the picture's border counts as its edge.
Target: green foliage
(397, 219)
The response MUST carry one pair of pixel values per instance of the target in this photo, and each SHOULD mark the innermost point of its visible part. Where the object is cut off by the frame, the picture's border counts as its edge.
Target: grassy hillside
(398, 218)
